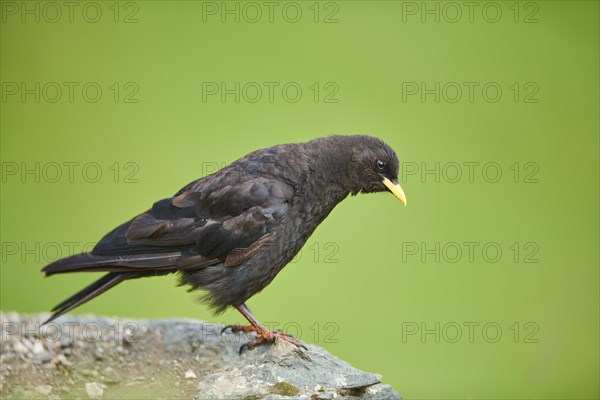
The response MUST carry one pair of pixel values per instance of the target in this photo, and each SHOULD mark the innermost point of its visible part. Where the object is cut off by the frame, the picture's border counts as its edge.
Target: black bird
(231, 232)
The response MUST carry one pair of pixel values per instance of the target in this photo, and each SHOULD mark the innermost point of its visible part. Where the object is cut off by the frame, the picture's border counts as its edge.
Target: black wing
(212, 221)
(194, 229)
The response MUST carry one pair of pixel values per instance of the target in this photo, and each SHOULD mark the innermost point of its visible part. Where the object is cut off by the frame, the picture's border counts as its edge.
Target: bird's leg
(264, 335)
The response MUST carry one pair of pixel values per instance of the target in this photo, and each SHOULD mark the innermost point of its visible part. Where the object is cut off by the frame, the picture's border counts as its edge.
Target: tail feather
(99, 283)
(90, 262)
(119, 268)
(100, 286)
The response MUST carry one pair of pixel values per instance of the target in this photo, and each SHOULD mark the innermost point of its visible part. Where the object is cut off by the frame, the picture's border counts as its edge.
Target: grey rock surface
(102, 358)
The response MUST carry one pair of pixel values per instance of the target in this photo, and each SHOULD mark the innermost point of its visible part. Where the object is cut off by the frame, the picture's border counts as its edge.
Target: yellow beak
(396, 190)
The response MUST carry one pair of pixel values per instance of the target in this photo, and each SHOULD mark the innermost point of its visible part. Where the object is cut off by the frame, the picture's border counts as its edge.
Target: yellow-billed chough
(231, 232)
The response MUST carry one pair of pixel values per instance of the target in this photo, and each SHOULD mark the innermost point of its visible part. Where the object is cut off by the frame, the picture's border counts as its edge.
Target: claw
(226, 327)
(242, 347)
(264, 335)
(291, 339)
(240, 328)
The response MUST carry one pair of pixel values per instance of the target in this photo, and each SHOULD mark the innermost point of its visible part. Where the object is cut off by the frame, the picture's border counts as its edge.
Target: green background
(377, 290)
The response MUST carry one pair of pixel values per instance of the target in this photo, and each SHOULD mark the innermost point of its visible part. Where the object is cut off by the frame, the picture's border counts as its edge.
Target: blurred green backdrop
(485, 286)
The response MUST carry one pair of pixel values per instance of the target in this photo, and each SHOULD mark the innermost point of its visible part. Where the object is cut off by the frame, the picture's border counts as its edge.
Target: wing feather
(228, 225)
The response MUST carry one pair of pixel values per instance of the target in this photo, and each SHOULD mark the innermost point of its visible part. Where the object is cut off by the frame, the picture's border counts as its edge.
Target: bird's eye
(380, 165)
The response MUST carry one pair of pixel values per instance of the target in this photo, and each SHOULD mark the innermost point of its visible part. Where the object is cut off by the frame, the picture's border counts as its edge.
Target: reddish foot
(264, 336)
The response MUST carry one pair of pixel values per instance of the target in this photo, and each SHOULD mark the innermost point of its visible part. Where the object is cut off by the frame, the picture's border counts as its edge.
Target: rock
(19, 347)
(110, 376)
(88, 372)
(38, 348)
(189, 374)
(173, 358)
(62, 359)
(94, 390)
(99, 354)
(44, 390)
(284, 370)
(42, 358)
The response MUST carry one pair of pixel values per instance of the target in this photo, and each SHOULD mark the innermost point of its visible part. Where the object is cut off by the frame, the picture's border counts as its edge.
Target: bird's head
(375, 167)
